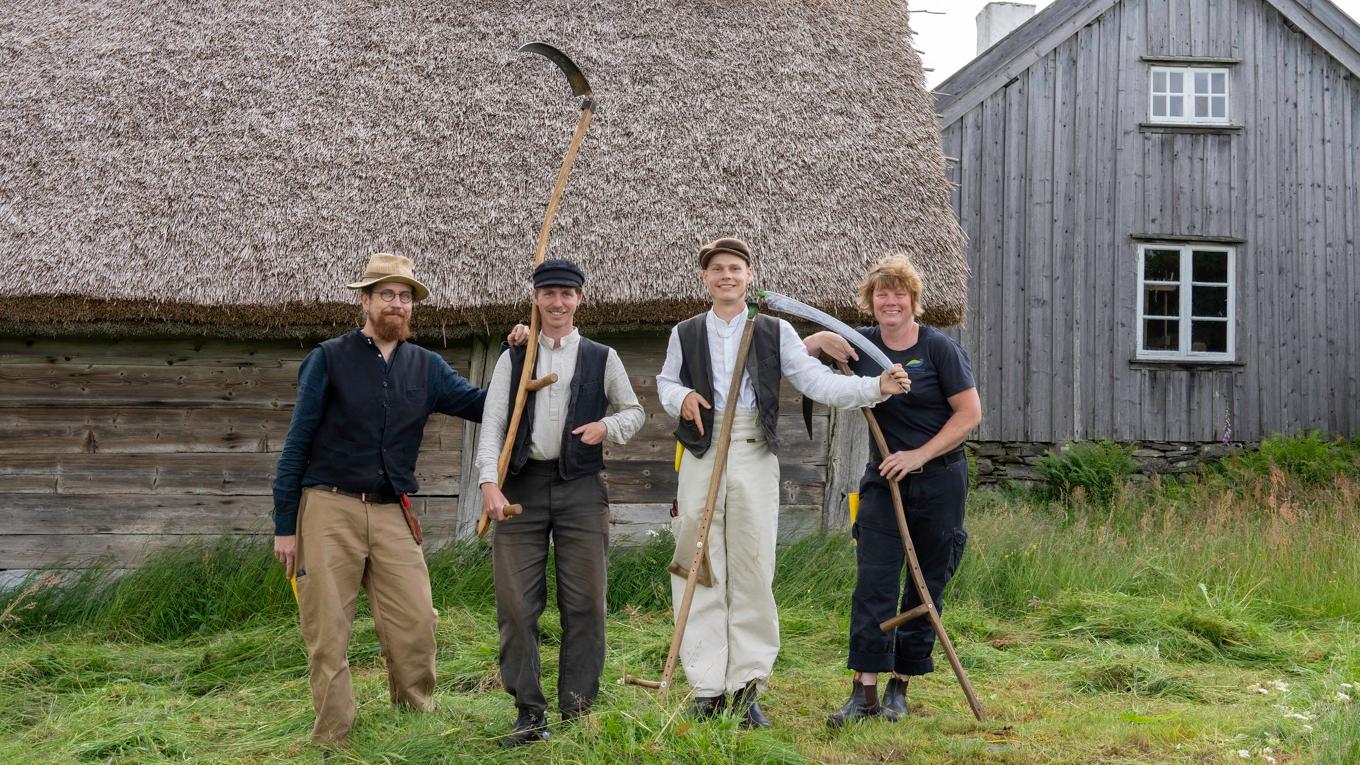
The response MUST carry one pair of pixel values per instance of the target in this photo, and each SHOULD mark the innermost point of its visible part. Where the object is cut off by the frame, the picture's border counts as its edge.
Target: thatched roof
(236, 162)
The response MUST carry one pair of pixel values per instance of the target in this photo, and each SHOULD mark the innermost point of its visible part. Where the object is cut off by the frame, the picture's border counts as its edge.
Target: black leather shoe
(894, 701)
(529, 727)
(704, 707)
(858, 707)
(746, 705)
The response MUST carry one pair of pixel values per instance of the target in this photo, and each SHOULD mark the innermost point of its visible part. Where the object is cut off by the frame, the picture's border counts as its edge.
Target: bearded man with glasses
(342, 514)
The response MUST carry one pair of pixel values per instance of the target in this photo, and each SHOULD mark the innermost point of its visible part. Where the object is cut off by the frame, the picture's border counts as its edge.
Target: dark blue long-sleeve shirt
(447, 392)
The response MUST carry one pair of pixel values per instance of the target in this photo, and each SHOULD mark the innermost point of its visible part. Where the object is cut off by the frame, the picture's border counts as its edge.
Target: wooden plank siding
(119, 447)
(1057, 177)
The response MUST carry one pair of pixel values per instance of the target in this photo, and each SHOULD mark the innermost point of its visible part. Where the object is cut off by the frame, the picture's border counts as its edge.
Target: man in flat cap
(554, 474)
(342, 515)
(732, 636)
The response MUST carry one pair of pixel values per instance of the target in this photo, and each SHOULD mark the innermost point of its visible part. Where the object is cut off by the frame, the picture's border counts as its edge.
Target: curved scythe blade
(577, 80)
(786, 304)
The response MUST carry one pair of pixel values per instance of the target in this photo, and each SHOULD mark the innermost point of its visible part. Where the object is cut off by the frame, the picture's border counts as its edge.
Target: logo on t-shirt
(914, 363)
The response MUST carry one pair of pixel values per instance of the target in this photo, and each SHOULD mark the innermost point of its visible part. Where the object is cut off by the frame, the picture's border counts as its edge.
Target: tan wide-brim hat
(386, 267)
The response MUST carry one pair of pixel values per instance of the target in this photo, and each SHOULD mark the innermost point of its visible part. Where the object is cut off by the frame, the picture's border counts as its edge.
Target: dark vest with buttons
(374, 419)
(586, 404)
(696, 373)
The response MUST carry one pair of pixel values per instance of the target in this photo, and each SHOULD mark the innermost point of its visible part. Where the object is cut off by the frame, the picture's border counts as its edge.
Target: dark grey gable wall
(1056, 176)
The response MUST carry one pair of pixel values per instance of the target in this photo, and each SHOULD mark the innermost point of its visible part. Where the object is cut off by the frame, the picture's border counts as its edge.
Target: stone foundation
(999, 462)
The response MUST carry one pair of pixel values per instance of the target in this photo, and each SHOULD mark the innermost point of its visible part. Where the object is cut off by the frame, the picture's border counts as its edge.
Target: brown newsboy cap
(726, 246)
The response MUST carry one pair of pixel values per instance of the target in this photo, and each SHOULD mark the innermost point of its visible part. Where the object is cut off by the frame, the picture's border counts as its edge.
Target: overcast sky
(950, 41)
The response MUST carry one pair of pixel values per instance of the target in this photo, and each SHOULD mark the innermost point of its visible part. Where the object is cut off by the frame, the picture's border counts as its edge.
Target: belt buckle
(363, 496)
(918, 470)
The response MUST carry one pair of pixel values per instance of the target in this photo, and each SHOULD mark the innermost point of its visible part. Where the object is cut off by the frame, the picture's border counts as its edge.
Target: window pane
(1177, 82)
(1208, 301)
(1162, 265)
(1201, 82)
(1201, 106)
(1177, 106)
(1159, 82)
(1159, 106)
(1220, 82)
(1162, 300)
(1209, 336)
(1220, 107)
(1209, 267)
(1161, 335)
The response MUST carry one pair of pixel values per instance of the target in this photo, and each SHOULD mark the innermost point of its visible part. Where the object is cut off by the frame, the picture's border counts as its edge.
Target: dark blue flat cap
(558, 272)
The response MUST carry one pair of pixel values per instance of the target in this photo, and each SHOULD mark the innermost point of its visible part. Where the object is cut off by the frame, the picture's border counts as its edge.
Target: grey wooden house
(1162, 205)
(184, 190)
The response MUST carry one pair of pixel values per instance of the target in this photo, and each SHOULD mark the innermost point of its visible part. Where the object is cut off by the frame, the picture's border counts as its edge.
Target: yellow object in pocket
(679, 454)
(853, 499)
(293, 581)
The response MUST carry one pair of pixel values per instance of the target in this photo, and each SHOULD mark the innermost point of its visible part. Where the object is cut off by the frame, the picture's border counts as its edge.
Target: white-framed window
(1186, 302)
(1195, 95)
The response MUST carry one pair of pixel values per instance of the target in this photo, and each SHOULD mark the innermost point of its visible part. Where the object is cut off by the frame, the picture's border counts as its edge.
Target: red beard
(389, 327)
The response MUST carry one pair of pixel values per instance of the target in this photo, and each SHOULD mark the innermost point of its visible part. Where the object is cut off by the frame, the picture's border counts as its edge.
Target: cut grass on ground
(1205, 622)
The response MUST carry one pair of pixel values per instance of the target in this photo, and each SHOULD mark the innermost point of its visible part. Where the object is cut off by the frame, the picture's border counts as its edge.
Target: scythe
(527, 385)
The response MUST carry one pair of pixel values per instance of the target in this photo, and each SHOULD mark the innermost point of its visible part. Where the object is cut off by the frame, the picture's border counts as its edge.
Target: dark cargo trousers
(934, 502)
(575, 515)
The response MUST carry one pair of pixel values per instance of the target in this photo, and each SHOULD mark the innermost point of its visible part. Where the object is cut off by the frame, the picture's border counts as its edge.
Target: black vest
(696, 372)
(587, 404)
(374, 419)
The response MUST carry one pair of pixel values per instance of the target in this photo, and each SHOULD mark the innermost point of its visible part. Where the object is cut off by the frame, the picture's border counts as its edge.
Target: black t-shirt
(938, 368)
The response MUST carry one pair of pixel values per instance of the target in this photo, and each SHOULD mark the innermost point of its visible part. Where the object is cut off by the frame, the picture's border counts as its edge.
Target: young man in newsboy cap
(342, 515)
(554, 474)
(732, 636)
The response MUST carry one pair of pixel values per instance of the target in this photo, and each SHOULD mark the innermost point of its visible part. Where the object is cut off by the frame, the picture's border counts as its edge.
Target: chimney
(996, 20)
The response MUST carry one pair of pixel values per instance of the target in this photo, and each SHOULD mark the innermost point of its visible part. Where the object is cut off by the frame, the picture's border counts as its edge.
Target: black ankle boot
(895, 699)
(704, 707)
(863, 703)
(528, 728)
(746, 704)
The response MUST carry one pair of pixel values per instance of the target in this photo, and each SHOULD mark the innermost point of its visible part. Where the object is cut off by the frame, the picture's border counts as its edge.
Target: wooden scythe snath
(527, 385)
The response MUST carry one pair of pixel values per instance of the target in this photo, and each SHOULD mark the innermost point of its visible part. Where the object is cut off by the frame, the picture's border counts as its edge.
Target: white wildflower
(1279, 685)
(1260, 690)
(1346, 686)
(1343, 698)
(1298, 716)
(1244, 753)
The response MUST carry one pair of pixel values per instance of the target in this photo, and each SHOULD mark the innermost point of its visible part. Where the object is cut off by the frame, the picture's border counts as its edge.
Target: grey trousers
(575, 515)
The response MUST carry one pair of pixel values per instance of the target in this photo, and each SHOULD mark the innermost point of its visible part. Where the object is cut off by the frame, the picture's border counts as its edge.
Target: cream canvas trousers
(732, 635)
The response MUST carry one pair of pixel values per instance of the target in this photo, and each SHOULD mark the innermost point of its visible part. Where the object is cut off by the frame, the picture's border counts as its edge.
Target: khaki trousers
(343, 543)
(732, 635)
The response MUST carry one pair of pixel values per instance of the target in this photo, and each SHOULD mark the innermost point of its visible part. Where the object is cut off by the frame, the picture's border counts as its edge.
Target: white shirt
(807, 375)
(550, 405)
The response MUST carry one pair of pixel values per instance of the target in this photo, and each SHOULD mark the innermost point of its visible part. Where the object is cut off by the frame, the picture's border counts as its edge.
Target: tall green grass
(1271, 540)
(1174, 621)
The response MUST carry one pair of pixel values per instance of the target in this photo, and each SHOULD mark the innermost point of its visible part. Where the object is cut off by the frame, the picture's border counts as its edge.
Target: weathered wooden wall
(116, 447)
(1058, 178)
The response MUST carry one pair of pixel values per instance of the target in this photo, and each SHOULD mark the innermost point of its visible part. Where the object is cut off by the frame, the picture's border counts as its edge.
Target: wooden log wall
(116, 447)
(1059, 178)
